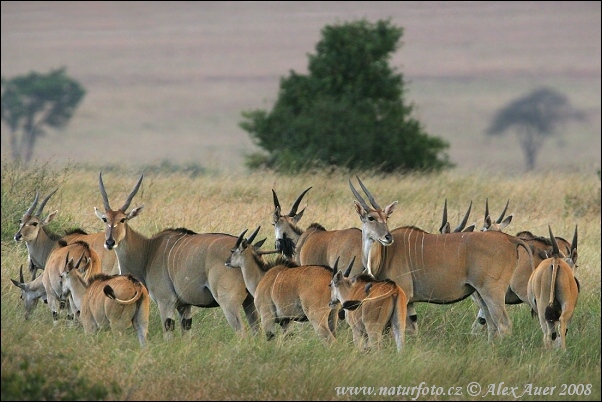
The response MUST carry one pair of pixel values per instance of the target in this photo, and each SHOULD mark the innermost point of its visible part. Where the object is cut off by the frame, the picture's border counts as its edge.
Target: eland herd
(369, 277)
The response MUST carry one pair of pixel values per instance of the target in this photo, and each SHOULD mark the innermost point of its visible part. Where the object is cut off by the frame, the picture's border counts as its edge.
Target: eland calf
(117, 301)
(285, 291)
(56, 264)
(31, 292)
(372, 306)
(552, 292)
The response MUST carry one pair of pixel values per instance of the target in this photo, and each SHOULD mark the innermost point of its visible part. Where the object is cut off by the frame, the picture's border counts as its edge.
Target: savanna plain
(46, 361)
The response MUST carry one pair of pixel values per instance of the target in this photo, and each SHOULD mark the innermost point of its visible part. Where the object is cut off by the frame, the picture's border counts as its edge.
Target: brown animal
(41, 241)
(56, 264)
(553, 291)
(372, 307)
(31, 292)
(179, 267)
(316, 245)
(541, 249)
(285, 291)
(440, 268)
(117, 301)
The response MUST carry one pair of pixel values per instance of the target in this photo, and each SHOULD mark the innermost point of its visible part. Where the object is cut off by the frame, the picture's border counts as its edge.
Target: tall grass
(42, 361)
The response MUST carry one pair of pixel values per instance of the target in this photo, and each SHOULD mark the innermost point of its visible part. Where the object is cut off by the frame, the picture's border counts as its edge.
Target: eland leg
(499, 324)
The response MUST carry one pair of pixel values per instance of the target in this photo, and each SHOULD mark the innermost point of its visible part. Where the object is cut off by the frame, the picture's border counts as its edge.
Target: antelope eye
(104, 220)
(370, 218)
(122, 221)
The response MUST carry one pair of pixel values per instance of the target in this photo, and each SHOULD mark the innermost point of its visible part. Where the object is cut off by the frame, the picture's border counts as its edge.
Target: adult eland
(180, 268)
(439, 268)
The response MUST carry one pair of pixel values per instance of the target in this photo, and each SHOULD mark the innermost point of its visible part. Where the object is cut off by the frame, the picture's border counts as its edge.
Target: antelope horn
(358, 197)
(499, 220)
(336, 264)
(21, 279)
(240, 237)
(79, 261)
(276, 203)
(252, 236)
(103, 192)
(486, 208)
(555, 250)
(126, 205)
(574, 242)
(463, 223)
(263, 252)
(348, 270)
(33, 205)
(43, 204)
(444, 221)
(372, 200)
(296, 204)
(67, 259)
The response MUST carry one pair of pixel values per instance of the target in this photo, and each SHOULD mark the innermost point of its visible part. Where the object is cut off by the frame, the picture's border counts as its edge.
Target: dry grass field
(46, 361)
(168, 80)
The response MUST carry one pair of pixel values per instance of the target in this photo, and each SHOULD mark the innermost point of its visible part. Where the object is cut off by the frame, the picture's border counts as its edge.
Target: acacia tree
(348, 111)
(34, 102)
(534, 118)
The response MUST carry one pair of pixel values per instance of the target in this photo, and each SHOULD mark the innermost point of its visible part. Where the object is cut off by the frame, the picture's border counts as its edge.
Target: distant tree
(534, 118)
(34, 102)
(348, 111)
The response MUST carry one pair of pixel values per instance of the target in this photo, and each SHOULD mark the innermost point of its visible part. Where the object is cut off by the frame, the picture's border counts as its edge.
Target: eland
(315, 245)
(372, 307)
(40, 241)
(31, 292)
(440, 268)
(56, 264)
(180, 268)
(553, 291)
(117, 301)
(541, 248)
(285, 291)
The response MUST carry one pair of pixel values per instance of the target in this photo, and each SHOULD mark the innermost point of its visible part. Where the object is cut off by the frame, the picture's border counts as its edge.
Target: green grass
(42, 361)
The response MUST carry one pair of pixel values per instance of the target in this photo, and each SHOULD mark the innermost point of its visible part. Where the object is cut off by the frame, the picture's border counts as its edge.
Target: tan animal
(285, 291)
(179, 267)
(553, 291)
(372, 307)
(117, 301)
(315, 245)
(56, 264)
(40, 241)
(541, 249)
(440, 268)
(31, 292)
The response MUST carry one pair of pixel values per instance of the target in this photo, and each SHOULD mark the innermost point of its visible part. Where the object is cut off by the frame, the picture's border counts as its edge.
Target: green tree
(348, 111)
(34, 102)
(534, 118)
